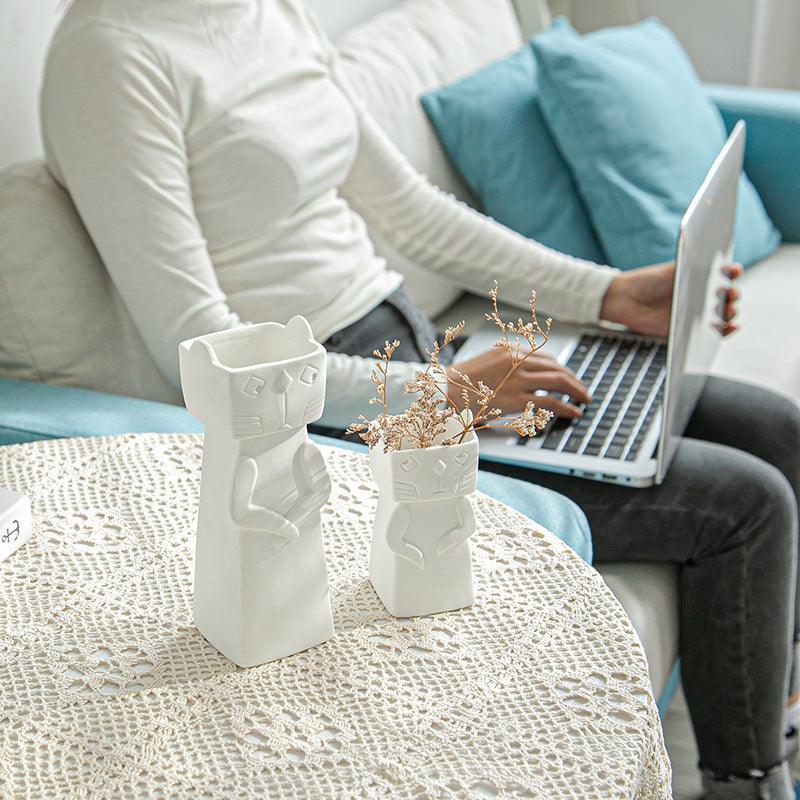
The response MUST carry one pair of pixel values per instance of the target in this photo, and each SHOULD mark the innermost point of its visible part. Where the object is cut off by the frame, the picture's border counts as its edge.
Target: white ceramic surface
(420, 561)
(261, 585)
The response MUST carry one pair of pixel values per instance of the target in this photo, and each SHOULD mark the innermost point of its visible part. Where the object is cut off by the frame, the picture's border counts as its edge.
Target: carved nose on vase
(439, 469)
(281, 387)
(292, 413)
(282, 382)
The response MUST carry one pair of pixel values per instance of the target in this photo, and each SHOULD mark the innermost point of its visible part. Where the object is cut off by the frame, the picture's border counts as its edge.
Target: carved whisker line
(405, 491)
(468, 481)
(315, 405)
(245, 424)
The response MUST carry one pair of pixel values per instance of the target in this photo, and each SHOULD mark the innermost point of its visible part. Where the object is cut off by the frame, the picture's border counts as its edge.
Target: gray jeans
(726, 515)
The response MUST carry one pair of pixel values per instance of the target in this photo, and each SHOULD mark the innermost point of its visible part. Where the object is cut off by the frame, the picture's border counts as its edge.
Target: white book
(15, 522)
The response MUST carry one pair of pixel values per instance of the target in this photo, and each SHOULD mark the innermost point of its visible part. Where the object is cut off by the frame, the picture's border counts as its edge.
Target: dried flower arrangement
(430, 415)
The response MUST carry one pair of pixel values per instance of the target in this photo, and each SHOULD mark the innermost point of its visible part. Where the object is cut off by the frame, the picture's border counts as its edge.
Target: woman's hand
(640, 299)
(536, 372)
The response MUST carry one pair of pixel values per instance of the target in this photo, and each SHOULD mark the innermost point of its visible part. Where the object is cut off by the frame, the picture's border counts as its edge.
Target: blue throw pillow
(634, 123)
(492, 129)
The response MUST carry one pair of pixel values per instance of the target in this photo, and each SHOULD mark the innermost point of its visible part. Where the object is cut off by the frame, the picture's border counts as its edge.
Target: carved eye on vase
(308, 375)
(252, 386)
(409, 464)
(282, 382)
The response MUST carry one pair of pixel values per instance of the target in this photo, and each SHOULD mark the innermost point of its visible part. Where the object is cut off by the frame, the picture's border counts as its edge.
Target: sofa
(62, 323)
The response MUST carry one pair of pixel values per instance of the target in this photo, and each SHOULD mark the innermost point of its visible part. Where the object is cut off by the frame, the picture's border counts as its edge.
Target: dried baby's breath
(530, 332)
(428, 417)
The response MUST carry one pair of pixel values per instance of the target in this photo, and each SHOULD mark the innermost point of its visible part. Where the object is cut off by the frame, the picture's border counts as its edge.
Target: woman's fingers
(732, 271)
(558, 407)
(539, 372)
(729, 297)
(731, 293)
(559, 380)
(726, 307)
(558, 377)
(726, 328)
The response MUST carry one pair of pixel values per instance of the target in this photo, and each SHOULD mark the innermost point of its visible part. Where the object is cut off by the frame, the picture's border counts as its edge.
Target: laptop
(643, 389)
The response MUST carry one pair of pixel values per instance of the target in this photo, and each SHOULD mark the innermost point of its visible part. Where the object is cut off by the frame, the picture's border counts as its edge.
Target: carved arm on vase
(254, 517)
(398, 524)
(312, 481)
(461, 532)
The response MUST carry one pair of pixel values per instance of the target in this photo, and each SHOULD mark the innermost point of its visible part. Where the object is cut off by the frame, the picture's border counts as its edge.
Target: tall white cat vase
(261, 585)
(420, 559)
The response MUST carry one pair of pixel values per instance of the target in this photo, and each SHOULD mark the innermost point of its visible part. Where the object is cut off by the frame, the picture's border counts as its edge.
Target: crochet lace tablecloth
(107, 690)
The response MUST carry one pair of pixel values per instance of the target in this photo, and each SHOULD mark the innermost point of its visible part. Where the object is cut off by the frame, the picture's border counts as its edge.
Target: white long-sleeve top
(225, 172)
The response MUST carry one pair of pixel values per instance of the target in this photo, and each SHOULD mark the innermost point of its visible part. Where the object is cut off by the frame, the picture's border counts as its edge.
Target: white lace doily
(108, 691)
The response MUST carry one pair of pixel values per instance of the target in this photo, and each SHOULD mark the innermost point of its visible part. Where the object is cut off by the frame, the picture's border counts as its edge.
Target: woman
(225, 171)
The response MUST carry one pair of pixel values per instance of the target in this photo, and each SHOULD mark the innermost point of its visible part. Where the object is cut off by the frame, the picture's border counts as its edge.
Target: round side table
(540, 690)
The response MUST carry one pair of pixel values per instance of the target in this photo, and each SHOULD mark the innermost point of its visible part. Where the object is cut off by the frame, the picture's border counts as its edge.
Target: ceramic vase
(420, 560)
(261, 586)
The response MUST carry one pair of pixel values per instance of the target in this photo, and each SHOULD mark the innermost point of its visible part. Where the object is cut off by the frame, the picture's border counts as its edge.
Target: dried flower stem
(425, 421)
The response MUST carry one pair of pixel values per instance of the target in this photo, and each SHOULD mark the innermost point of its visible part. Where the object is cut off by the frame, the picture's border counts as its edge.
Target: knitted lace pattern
(108, 691)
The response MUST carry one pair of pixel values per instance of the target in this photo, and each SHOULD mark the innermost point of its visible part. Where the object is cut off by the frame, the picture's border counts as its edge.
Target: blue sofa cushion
(773, 143)
(492, 129)
(639, 132)
(32, 411)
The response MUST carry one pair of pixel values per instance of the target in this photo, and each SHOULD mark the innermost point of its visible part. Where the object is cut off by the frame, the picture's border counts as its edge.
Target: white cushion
(400, 54)
(61, 320)
(766, 351)
(649, 595)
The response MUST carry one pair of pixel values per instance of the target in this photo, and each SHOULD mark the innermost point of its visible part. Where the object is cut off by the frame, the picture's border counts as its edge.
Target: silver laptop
(643, 390)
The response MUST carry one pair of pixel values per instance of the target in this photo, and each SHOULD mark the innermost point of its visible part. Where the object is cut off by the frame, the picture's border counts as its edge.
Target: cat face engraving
(290, 395)
(257, 380)
(436, 473)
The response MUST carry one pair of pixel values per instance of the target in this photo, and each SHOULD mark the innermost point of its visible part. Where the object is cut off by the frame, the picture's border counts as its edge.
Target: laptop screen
(704, 245)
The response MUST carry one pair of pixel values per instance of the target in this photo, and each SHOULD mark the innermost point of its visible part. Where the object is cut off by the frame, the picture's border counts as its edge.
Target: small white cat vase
(425, 462)
(261, 585)
(420, 561)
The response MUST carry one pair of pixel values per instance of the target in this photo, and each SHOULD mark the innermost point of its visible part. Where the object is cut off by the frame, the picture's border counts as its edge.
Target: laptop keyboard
(625, 378)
